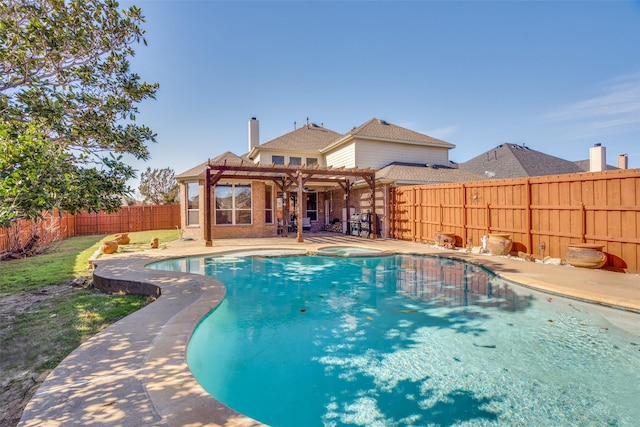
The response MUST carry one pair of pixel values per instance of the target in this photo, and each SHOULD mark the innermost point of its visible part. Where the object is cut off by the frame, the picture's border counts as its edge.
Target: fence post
(417, 204)
(583, 223)
(528, 217)
(464, 214)
(413, 213)
(487, 219)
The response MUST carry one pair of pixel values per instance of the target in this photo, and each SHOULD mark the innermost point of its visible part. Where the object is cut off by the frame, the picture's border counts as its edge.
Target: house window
(312, 206)
(295, 161)
(277, 160)
(193, 203)
(268, 204)
(233, 204)
(312, 161)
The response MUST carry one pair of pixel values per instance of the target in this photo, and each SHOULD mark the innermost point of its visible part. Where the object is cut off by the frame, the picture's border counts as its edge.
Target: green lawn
(69, 260)
(43, 318)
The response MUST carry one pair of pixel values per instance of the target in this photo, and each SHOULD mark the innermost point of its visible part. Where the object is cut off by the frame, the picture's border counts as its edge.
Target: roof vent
(382, 122)
(490, 174)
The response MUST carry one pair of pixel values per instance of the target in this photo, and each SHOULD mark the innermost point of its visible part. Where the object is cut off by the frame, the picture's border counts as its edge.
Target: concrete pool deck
(134, 373)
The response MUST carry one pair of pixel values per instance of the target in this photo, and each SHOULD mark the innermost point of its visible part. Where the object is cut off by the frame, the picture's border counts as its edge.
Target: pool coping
(135, 371)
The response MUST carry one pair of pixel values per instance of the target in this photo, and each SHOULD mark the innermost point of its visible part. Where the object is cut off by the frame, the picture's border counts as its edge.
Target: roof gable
(377, 128)
(310, 137)
(199, 170)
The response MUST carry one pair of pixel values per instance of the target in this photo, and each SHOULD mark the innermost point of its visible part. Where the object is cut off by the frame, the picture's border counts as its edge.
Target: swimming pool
(406, 340)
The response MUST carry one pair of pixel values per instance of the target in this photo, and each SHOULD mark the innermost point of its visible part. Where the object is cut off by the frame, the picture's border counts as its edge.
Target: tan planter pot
(587, 255)
(109, 247)
(446, 239)
(499, 244)
(123, 238)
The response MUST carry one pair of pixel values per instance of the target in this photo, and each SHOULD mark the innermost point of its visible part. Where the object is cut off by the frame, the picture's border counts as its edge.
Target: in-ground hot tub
(351, 251)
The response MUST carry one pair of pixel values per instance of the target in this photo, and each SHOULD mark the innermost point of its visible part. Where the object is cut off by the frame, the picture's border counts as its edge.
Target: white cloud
(617, 107)
(442, 133)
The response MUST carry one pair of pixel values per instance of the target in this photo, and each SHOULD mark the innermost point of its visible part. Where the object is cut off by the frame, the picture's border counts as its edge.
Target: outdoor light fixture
(542, 247)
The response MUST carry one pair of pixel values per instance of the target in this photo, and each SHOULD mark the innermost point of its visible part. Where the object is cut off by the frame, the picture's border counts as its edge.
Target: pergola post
(374, 218)
(207, 208)
(347, 190)
(300, 239)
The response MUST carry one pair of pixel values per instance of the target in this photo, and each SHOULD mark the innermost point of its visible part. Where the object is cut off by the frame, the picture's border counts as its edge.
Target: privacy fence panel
(52, 227)
(542, 214)
(128, 219)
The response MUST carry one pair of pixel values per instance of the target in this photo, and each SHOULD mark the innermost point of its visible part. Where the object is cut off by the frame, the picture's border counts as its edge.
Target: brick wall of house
(258, 228)
(360, 202)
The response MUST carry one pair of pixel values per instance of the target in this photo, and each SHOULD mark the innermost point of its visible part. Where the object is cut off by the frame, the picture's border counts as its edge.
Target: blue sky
(556, 76)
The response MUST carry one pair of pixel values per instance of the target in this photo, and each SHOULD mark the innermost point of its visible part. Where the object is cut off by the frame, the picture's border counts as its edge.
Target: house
(312, 176)
(517, 161)
(311, 173)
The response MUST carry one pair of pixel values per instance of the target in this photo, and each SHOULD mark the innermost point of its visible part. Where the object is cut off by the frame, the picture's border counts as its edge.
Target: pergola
(285, 177)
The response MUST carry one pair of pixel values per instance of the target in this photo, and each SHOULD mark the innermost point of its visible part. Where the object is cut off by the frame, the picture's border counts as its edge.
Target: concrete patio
(135, 373)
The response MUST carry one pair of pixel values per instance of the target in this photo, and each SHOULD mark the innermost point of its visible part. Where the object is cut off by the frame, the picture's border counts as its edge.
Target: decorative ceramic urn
(499, 244)
(123, 238)
(587, 255)
(109, 247)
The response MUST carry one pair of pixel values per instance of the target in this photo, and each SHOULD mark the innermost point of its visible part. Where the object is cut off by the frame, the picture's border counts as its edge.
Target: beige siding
(379, 154)
(344, 156)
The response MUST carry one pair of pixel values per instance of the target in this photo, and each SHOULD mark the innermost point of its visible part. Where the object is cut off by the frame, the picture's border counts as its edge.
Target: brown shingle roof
(585, 165)
(199, 171)
(516, 161)
(306, 138)
(413, 174)
(377, 128)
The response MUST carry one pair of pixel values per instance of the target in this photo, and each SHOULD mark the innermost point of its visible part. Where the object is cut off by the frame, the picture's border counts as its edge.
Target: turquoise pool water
(407, 340)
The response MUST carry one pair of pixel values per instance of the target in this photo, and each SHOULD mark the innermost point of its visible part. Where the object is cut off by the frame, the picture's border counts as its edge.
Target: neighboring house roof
(585, 165)
(309, 137)
(198, 171)
(516, 161)
(406, 174)
(382, 130)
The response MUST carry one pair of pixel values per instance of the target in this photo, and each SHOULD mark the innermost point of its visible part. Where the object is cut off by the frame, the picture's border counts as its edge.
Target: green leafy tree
(159, 186)
(68, 105)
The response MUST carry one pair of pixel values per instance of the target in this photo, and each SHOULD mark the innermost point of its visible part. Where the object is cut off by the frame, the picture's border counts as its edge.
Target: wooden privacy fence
(53, 227)
(128, 219)
(542, 214)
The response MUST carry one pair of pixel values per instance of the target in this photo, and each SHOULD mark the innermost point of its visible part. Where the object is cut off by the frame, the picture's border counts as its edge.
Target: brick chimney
(623, 161)
(597, 158)
(254, 133)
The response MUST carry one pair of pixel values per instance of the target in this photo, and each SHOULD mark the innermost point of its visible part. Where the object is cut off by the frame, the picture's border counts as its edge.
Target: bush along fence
(57, 226)
(543, 215)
